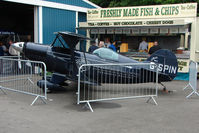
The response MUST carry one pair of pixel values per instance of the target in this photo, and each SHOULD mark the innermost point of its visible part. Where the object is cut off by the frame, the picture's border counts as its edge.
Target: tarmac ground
(173, 114)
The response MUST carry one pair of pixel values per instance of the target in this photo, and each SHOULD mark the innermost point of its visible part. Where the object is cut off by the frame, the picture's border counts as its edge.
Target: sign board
(154, 30)
(126, 31)
(183, 30)
(183, 65)
(102, 31)
(173, 30)
(135, 31)
(143, 12)
(110, 31)
(144, 31)
(94, 31)
(131, 23)
(164, 30)
(118, 31)
(6, 33)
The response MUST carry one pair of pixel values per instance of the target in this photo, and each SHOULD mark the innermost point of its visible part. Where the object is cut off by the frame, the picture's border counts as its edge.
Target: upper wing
(72, 39)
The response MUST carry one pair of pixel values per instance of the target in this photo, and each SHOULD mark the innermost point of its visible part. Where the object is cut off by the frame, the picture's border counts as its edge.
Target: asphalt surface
(61, 114)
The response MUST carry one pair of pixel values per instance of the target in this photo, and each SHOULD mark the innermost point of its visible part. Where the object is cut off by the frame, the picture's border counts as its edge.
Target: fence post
(192, 79)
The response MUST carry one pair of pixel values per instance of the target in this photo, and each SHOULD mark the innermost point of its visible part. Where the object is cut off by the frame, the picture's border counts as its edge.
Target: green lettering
(130, 14)
(141, 12)
(177, 10)
(120, 11)
(125, 12)
(102, 13)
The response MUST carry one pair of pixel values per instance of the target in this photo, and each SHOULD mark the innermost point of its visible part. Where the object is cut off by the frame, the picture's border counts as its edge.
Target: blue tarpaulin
(182, 76)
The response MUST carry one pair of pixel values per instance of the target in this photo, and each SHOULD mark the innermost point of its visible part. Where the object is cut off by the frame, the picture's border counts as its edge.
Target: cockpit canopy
(106, 53)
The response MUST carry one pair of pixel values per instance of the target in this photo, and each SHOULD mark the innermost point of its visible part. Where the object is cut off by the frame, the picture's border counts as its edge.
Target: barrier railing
(102, 82)
(22, 76)
(192, 78)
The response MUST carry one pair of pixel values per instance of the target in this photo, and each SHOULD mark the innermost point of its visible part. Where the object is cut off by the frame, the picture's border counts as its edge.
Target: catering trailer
(174, 26)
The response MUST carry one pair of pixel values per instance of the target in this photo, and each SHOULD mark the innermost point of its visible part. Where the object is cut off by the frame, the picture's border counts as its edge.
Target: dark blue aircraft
(64, 61)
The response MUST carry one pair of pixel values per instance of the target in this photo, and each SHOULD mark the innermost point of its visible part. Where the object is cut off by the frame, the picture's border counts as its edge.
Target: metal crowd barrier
(103, 82)
(22, 76)
(192, 78)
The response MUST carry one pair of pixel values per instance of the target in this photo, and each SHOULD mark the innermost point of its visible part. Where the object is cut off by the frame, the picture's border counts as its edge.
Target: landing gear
(165, 89)
(50, 86)
(54, 82)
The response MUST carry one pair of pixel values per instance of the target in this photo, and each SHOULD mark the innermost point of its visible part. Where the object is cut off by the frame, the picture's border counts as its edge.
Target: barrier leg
(193, 92)
(190, 94)
(44, 101)
(152, 99)
(36, 100)
(28, 79)
(88, 106)
(186, 87)
(3, 91)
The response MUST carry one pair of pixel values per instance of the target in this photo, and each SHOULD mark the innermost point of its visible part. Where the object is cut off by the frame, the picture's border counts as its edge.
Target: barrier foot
(193, 92)
(152, 99)
(44, 101)
(36, 100)
(88, 106)
(186, 87)
(28, 79)
(3, 91)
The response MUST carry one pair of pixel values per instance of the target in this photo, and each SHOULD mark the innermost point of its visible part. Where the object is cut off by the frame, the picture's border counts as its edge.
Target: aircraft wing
(72, 39)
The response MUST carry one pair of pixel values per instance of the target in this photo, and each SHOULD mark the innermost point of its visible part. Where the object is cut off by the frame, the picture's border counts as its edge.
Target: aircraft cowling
(35, 51)
(45, 54)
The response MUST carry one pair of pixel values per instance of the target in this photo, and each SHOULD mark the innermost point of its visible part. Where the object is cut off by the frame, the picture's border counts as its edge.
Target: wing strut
(84, 50)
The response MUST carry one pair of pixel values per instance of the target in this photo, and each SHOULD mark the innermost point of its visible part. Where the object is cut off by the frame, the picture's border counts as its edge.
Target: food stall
(174, 26)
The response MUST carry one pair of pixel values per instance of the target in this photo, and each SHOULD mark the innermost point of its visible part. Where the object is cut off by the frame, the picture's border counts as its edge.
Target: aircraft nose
(18, 46)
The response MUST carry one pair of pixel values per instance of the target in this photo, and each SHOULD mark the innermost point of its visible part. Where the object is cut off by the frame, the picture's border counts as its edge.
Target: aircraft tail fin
(166, 62)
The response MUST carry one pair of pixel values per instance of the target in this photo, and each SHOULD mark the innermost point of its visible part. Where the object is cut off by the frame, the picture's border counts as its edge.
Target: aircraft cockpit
(106, 53)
